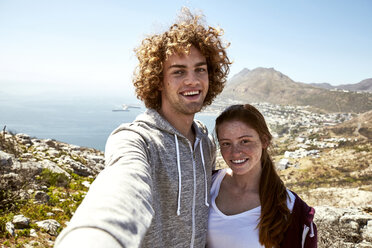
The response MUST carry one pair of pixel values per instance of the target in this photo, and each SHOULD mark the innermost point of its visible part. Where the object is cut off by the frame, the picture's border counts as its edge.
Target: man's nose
(192, 79)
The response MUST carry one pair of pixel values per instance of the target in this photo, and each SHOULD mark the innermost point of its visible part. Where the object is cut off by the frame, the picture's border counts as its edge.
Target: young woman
(250, 205)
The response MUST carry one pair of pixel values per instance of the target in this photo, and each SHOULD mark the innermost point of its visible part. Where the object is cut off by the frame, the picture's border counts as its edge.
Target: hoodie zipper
(194, 193)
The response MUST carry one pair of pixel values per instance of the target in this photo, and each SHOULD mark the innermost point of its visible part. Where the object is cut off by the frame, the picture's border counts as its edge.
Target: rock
(77, 167)
(50, 143)
(30, 166)
(283, 164)
(23, 138)
(361, 219)
(367, 231)
(20, 221)
(41, 197)
(53, 153)
(86, 184)
(364, 244)
(53, 167)
(6, 159)
(10, 176)
(10, 228)
(343, 227)
(98, 168)
(27, 155)
(95, 158)
(50, 226)
(338, 197)
(75, 147)
(33, 233)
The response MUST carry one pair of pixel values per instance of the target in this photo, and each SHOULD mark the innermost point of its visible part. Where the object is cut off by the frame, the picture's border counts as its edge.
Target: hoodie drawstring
(311, 230)
(179, 175)
(205, 173)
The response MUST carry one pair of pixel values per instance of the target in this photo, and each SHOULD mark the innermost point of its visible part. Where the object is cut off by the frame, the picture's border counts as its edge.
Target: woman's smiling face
(241, 147)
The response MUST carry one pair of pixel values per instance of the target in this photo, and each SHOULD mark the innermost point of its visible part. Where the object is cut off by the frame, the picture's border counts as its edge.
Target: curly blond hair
(187, 32)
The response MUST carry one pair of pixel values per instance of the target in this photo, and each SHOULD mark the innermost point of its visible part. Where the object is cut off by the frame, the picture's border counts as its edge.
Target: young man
(154, 191)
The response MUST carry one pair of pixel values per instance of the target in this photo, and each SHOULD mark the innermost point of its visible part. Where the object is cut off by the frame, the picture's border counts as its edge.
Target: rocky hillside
(43, 181)
(269, 85)
(361, 126)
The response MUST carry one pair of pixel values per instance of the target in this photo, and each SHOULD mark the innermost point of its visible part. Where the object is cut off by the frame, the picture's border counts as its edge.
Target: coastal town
(300, 127)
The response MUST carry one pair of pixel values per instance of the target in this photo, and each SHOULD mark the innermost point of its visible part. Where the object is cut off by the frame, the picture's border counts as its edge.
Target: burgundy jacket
(302, 232)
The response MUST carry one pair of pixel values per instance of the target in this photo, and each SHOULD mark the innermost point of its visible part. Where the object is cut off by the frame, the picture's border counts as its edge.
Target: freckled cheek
(225, 152)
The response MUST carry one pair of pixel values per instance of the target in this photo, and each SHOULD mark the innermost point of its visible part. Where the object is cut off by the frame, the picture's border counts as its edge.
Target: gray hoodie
(154, 191)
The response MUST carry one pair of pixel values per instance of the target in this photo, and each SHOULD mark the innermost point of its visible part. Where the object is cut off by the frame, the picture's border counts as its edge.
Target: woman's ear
(265, 142)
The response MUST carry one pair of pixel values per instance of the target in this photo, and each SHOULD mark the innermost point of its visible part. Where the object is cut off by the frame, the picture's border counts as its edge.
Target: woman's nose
(236, 149)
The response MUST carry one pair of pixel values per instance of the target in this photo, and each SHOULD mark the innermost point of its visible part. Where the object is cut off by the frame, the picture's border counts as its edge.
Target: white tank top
(234, 231)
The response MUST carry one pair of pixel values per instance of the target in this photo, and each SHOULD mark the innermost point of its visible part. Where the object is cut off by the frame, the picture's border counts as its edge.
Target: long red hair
(275, 215)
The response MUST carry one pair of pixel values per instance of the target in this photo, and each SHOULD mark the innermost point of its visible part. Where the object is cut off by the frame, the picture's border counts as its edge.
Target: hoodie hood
(153, 119)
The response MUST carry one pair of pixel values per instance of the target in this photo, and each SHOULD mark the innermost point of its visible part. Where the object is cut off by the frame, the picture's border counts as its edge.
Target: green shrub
(54, 179)
(24, 232)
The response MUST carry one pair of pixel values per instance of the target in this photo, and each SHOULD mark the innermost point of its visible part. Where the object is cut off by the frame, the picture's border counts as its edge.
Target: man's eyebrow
(177, 66)
(201, 63)
(184, 66)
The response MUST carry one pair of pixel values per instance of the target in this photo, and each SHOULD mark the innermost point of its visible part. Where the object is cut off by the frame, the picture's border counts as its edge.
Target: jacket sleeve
(118, 206)
(302, 232)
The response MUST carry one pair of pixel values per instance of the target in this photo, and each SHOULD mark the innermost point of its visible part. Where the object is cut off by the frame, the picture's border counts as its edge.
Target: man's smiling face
(185, 83)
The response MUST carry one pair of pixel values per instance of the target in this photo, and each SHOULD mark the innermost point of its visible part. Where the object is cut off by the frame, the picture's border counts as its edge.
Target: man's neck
(183, 123)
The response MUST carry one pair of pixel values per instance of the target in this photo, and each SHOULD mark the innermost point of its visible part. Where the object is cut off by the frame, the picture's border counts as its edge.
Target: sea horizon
(85, 121)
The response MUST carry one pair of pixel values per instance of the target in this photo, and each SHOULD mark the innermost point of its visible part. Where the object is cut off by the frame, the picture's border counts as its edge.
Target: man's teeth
(191, 93)
(239, 161)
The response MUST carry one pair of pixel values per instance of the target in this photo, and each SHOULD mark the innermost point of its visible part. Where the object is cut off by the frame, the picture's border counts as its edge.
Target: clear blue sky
(78, 44)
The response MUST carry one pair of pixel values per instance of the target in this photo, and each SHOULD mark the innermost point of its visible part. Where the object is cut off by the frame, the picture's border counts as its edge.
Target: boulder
(41, 197)
(53, 167)
(6, 160)
(10, 228)
(367, 231)
(283, 164)
(33, 233)
(23, 138)
(20, 221)
(343, 227)
(50, 226)
(76, 166)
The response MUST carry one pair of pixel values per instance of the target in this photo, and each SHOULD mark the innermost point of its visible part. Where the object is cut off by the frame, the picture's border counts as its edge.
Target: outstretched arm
(117, 209)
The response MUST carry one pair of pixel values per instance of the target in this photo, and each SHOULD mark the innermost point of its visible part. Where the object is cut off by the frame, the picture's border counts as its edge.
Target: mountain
(365, 85)
(323, 85)
(269, 85)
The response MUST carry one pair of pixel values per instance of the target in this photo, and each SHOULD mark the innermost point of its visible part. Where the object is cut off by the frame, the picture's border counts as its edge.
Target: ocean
(80, 120)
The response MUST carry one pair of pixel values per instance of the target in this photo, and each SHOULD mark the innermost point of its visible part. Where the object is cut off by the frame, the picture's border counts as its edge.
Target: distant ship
(125, 107)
